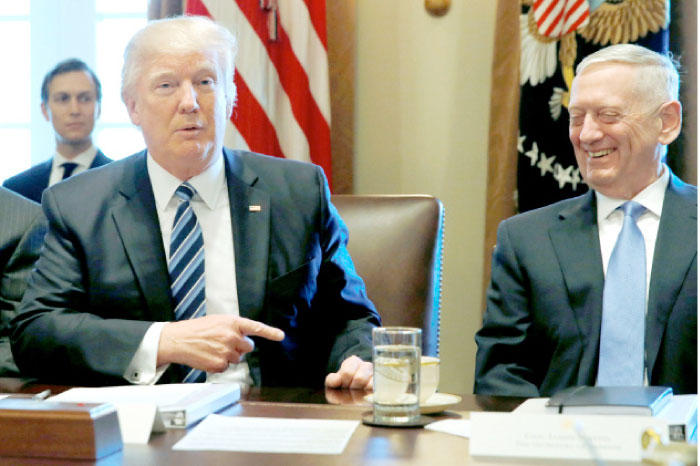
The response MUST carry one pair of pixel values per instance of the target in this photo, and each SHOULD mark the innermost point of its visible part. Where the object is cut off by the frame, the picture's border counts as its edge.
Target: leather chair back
(396, 246)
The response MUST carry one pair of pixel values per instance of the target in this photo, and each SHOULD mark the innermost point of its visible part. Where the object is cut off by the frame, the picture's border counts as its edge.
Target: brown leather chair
(396, 245)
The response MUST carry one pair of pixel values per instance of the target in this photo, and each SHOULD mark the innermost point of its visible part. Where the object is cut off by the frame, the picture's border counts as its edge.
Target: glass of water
(396, 359)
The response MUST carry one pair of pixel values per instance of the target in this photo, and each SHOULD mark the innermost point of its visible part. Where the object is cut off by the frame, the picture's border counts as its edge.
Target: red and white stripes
(283, 104)
(557, 18)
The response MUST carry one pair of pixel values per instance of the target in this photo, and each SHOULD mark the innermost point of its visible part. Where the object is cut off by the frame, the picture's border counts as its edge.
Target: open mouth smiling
(600, 153)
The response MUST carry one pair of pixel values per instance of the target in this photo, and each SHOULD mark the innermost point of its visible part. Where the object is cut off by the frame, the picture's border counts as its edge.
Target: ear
(45, 112)
(671, 118)
(132, 108)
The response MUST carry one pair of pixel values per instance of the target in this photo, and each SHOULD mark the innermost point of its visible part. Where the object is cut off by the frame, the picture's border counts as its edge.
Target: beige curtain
(340, 25)
(503, 125)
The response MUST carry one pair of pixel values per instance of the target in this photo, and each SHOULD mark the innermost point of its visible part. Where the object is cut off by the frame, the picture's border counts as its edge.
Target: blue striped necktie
(621, 361)
(186, 267)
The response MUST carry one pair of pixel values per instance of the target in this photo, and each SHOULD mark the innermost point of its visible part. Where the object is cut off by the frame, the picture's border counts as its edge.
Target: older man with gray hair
(601, 289)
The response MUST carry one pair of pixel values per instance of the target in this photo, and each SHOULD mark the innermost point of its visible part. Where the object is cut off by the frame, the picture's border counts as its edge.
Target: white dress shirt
(610, 220)
(610, 224)
(83, 161)
(211, 206)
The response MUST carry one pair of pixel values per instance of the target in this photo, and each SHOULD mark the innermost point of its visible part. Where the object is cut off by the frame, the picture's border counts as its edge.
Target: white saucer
(437, 403)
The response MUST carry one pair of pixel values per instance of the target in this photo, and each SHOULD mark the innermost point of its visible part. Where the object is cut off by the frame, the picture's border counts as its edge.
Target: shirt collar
(208, 183)
(84, 159)
(651, 197)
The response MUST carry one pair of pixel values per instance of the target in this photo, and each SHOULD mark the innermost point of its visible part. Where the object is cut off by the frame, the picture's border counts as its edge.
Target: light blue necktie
(186, 267)
(621, 361)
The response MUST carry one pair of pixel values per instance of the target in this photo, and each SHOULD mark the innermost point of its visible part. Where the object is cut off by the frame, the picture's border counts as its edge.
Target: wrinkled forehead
(607, 84)
(186, 64)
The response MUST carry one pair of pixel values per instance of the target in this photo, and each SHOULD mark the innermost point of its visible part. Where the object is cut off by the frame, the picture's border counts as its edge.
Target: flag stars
(545, 164)
(569, 175)
(533, 154)
(563, 175)
(575, 179)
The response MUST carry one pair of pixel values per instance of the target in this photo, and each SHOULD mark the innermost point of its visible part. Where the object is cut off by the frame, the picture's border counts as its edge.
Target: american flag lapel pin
(254, 208)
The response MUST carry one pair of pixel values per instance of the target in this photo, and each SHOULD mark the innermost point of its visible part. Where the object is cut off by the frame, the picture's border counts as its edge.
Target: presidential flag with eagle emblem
(554, 36)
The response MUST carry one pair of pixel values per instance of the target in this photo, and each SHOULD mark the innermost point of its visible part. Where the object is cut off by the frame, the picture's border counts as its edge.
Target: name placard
(587, 437)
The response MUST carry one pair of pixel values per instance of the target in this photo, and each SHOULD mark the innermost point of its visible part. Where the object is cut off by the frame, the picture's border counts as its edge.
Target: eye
(85, 98)
(164, 87)
(61, 98)
(206, 82)
(609, 117)
(576, 120)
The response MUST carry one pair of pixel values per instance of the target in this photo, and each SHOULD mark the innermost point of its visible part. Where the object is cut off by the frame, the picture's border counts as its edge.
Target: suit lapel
(250, 220)
(137, 224)
(42, 178)
(577, 246)
(99, 160)
(674, 252)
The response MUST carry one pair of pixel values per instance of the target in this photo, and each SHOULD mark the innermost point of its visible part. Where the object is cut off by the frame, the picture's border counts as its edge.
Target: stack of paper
(681, 414)
(143, 409)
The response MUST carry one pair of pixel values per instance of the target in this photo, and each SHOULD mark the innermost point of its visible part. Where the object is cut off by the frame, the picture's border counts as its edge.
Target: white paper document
(269, 435)
(461, 427)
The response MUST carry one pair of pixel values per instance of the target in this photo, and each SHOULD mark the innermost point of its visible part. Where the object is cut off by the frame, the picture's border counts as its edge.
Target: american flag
(283, 106)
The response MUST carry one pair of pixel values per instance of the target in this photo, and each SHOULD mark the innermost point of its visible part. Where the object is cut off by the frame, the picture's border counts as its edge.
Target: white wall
(422, 107)
(57, 37)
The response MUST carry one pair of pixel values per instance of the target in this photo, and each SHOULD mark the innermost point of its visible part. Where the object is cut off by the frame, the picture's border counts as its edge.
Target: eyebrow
(166, 74)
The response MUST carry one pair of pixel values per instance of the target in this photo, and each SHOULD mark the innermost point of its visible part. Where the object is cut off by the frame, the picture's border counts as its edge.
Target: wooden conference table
(367, 446)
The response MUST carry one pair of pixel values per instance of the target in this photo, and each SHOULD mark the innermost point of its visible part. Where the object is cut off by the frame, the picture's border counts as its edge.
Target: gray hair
(180, 35)
(658, 74)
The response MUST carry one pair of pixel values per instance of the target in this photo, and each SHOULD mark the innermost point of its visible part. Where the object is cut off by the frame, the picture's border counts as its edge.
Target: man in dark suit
(22, 229)
(70, 99)
(273, 294)
(546, 324)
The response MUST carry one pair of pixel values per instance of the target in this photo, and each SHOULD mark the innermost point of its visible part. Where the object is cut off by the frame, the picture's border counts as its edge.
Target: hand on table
(211, 343)
(353, 373)
(344, 396)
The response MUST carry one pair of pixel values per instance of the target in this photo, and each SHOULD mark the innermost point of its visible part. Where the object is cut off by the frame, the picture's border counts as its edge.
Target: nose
(188, 98)
(590, 130)
(74, 106)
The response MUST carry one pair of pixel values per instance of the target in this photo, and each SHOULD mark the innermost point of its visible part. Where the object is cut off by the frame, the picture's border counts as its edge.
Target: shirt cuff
(142, 369)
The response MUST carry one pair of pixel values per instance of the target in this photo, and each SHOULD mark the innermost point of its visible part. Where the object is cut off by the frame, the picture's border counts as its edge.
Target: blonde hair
(180, 35)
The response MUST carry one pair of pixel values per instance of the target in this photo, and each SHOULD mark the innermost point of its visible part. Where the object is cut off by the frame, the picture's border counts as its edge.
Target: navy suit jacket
(22, 229)
(541, 329)
(33, 181)
(102, 277)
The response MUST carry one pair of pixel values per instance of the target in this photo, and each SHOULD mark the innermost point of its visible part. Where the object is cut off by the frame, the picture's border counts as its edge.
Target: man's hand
(353, 373)
(211, 343)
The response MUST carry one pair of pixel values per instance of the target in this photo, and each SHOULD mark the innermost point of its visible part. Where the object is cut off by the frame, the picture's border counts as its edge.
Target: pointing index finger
(255, 328)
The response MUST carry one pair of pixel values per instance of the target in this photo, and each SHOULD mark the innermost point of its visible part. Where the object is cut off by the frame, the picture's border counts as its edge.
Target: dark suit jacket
(22, 229)
(32, 182)
(102, 277)
(541, 329)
